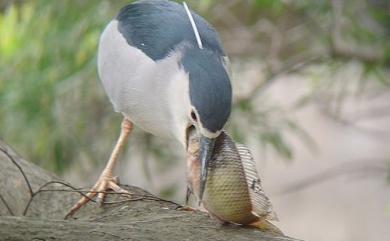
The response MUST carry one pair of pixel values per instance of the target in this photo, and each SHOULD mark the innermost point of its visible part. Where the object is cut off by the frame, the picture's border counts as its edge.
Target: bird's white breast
(154, 95)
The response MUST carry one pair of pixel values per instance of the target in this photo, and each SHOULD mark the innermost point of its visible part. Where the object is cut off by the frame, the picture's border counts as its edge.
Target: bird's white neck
(176, 96)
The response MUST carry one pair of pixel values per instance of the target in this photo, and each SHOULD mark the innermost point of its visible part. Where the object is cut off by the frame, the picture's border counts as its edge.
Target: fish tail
(267, 227)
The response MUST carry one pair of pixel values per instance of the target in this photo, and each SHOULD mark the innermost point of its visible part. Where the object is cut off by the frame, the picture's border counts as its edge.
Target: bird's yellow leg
(107, 180)
(186, 207)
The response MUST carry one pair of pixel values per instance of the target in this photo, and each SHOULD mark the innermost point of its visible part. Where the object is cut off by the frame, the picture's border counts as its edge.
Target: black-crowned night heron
(163, 67)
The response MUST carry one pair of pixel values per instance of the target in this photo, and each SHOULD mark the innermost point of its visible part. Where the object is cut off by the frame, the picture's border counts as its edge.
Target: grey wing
(158, 27)
(260, 202)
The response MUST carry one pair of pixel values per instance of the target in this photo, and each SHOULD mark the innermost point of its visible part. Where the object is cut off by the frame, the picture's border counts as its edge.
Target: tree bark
(34, 202)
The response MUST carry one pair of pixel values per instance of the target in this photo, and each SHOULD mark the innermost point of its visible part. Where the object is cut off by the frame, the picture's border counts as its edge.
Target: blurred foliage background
(52, 104)
(54, 111)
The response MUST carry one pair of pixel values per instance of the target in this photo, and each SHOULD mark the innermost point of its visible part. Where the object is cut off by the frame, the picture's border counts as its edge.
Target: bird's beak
(206, 152)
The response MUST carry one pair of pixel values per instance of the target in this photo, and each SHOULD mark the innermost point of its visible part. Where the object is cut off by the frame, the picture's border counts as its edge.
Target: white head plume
(196, 32)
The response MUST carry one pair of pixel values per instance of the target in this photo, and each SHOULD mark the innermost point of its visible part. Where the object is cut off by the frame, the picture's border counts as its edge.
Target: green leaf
(276, 6)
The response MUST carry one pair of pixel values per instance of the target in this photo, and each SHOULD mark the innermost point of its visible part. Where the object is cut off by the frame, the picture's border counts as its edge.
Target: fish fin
(261, 204)
(269, 216)
(267, 227)
(273, 216)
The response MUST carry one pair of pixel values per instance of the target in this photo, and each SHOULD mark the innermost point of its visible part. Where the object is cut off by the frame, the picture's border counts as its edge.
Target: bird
(164, 69)
(233, 192)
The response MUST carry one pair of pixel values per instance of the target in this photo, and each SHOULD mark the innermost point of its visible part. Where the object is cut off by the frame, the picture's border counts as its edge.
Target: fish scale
(233, 191)
(226, 191)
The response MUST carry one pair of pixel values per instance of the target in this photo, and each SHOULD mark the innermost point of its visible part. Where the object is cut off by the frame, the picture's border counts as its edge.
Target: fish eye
(193, 116)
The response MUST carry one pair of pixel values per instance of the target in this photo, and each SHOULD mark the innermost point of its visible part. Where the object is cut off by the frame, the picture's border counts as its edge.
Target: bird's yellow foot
(104, 183)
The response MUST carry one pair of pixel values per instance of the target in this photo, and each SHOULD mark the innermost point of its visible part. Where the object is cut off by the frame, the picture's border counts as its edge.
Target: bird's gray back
(157, 27)
(152, 68)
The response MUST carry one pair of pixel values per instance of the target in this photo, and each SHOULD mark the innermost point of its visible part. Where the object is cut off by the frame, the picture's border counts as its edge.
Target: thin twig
(272, 75)
(126, 200)
(374, 112)
(339, 119)
(339, 170)
(20, 169)
(81, 192)
(350, 50)
(6, 205)
(40, 189)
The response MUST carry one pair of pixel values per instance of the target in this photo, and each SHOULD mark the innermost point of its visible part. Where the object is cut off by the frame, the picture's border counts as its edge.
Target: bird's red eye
(193, 116)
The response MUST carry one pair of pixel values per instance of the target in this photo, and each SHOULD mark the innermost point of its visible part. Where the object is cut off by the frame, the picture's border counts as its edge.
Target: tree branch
(142, 217)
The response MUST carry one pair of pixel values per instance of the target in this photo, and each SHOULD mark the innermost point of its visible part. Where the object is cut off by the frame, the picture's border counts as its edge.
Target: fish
(233, 191)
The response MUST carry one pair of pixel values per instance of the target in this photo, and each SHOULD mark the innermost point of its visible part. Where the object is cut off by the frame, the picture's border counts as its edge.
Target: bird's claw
(99, 190)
